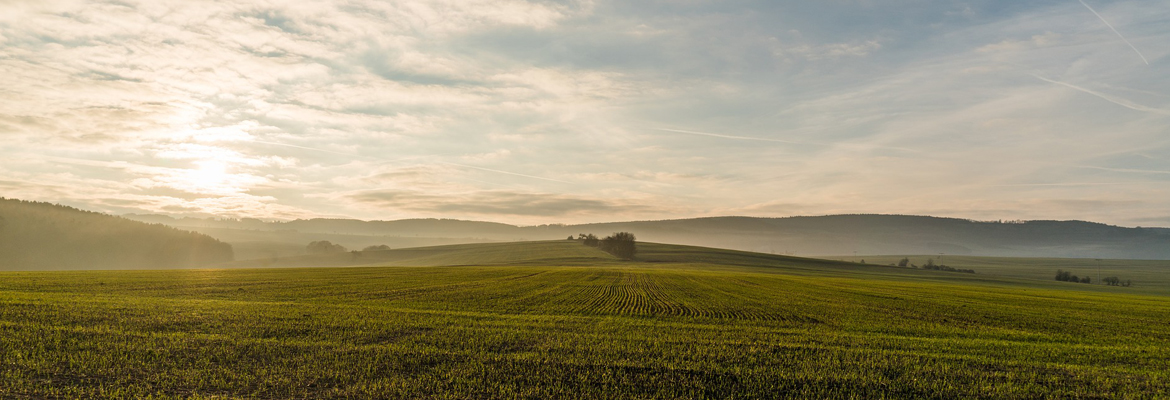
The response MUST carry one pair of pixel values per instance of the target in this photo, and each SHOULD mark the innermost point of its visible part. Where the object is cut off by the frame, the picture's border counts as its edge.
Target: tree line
(326, 247)
(1115, 281)
(620, 244)
(38, 235)
(1067, 276)
(905, 261)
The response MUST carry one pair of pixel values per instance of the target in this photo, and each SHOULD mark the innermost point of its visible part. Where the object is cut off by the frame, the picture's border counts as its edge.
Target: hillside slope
(904, 234)
(545, 253)
(514, 253)
(821, 235)
(36, 235)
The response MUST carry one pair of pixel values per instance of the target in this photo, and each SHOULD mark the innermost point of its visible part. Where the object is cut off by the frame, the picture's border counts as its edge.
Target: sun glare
(212, 170)
(209, 177)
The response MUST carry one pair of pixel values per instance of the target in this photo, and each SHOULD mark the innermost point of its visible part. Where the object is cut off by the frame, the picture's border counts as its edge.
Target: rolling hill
(36, 235)
(548, 253)
(1150, 275)
(810, 236)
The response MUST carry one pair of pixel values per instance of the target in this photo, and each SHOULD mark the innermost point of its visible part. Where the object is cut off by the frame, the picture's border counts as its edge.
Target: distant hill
(541, 253)
(36, 236)
(253, 238)
(806, 236)
(904, 234)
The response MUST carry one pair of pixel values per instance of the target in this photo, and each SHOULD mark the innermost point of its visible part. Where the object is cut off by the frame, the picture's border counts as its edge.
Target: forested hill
(36, 236)
(807, 236)
(905, 234)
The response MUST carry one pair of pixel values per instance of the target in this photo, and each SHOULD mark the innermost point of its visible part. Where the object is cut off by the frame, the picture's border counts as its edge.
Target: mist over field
(807, 236)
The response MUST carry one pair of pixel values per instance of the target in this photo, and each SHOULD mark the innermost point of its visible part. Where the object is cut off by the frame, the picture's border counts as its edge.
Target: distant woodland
(804, 236)
(35, 235)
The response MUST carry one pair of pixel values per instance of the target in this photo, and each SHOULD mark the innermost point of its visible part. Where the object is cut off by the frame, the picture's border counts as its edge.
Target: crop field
(560, 320)
(1148, 276)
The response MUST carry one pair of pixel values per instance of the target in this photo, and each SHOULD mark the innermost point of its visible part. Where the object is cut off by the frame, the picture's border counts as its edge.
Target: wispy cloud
(414, 158)
(719, 135)
(495, 203)
(486, 107)
(840, 144)
(504, 172)
(1129, 170)
(1075, 184)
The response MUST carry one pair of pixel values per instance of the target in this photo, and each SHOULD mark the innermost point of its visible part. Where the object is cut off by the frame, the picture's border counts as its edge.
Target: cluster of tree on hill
(621, 244)
(1115, 281)
(1067, 276)
(941, 267)
(905, 261)
(36, 235)
(326, 247)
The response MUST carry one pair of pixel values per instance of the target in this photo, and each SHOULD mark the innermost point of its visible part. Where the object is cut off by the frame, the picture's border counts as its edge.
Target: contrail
(1135, 50)
(1111, 99)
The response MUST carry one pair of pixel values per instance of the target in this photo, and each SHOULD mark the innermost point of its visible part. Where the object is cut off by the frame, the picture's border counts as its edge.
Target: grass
(560, 320)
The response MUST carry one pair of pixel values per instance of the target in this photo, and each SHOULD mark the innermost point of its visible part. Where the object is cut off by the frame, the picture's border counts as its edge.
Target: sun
(209, 177)
(210, 170)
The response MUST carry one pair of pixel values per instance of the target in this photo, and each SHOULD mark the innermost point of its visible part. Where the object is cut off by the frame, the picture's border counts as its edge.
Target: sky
(533, 112)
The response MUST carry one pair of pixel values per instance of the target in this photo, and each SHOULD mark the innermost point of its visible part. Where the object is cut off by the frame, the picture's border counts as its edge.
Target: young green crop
(691, 324)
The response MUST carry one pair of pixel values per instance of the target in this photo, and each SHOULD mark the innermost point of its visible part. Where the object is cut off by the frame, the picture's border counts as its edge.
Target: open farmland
(1148, 276)
(560, 320)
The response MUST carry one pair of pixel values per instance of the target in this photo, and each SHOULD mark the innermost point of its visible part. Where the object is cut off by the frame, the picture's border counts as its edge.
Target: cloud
(493, 203)
(784, 209)
(1015, 45)
(492, 108)
(831, 51)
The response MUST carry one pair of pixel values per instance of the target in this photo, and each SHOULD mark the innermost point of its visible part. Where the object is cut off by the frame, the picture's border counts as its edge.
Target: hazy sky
(563, 111)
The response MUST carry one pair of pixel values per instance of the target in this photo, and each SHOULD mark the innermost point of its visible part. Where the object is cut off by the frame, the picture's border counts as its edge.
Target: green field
(1148, 276)
(561, 320)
